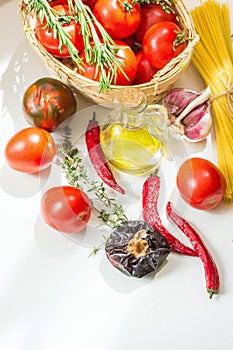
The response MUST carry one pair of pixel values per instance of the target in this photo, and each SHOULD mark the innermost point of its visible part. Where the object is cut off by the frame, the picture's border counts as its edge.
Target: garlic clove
(177, 99)
(195, 115)
(200, 129)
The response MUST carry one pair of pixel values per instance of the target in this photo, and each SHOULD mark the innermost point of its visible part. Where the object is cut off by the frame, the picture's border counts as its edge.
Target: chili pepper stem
(211, 292)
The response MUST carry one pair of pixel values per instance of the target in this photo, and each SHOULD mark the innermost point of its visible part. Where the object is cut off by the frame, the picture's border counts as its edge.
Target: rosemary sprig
(42, 10)
(77, 176)
(103, 53)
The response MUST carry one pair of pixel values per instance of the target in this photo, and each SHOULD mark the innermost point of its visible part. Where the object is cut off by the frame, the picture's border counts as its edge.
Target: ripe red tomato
(90, 3)
(51, 43)
(119, 18)
(88, 70)
(125, 55)
(129, 64)
(200, 183)
(145, 71)
(47, 103)
(158, 43)
(30, 150)
(151, 14)
(66, 209)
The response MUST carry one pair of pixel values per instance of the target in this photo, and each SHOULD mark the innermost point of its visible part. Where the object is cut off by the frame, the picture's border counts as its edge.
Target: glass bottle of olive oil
(133, 136)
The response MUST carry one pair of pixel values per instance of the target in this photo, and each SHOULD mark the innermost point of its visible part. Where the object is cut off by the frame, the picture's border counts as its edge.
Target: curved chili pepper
(211, 271)
(97, 157)
(150, 195)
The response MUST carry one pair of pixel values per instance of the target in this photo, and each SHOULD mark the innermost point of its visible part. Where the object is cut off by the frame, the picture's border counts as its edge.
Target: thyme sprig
(77, 176)
(98, 247)
(103, 53)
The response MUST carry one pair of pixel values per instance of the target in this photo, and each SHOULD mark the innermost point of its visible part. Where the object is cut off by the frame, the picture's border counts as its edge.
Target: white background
(53, 296)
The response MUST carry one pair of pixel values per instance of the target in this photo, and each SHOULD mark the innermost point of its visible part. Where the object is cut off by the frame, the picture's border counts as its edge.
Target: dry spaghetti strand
(213, 57)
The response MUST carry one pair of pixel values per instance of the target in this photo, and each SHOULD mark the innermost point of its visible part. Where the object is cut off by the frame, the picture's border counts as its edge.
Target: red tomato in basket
(30, 150)
(119, 18)
(159, 43)
(151, 14)
(90, 3)
(48, 39)
(66, 209)
(200, 183)
(145, 71)
(125, 55)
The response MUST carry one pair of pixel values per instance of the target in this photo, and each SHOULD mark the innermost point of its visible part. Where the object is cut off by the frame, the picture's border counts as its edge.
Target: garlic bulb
(189, 113)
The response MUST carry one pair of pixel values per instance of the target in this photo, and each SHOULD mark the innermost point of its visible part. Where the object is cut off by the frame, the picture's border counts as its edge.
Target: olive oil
(133, 136)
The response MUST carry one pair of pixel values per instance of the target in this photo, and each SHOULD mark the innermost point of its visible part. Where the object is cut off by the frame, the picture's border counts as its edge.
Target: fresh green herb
(98, 247)
(76, 174)
(102, 55)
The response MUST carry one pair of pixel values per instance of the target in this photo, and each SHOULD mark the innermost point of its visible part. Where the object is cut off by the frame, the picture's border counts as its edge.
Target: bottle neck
(131, 103)
(132, 120)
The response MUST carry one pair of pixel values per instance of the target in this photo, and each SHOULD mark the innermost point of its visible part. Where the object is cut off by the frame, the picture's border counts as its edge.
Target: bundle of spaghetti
(213, 58)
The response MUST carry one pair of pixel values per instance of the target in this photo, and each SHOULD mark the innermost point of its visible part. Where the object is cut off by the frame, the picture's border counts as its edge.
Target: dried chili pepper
(136, 249)
(211, 271)
(97, 157)
(150, 195)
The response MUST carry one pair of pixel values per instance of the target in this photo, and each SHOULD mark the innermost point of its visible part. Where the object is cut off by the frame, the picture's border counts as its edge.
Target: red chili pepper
(150, 195)
(97, 157)
(211, 271)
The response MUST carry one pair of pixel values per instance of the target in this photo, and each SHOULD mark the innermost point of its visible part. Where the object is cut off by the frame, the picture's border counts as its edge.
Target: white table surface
(54, 297)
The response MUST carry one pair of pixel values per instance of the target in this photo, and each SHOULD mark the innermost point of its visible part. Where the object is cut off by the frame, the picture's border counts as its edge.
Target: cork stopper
(132, 98)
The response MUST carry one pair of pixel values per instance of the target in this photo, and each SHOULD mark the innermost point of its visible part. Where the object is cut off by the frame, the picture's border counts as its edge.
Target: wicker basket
(89, 89)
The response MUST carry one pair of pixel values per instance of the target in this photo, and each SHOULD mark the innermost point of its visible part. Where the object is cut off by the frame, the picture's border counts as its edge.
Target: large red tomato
(119, 18)
(30, 150)
(66, 209)
(47, 102)
(200, 183)
(124, 75)
(51, 43)
(145, 71)
(151, 14)
(160, 43)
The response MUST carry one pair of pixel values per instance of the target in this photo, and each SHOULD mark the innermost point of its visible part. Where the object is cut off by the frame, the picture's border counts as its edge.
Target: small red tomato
(201, 183)
(30, 150)
(90, 3)
(51, 42)
(129, 64)
(151, 14)
(162, 42)
(145, 71)
(119, 18)
(66, 209)
(126, 57)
